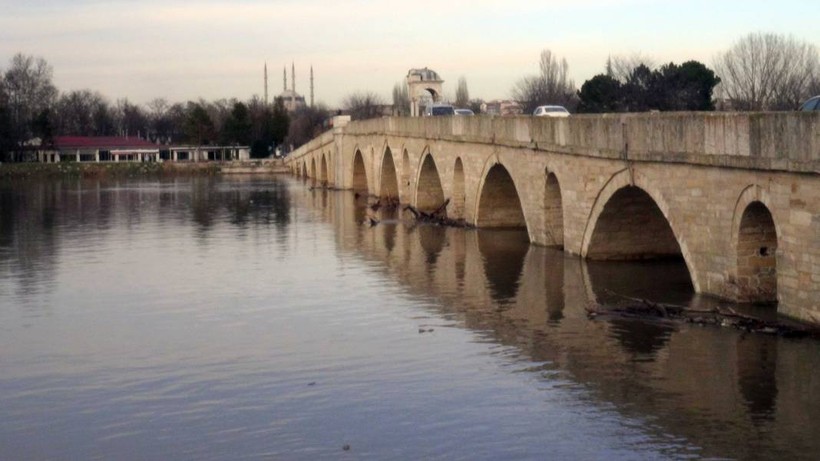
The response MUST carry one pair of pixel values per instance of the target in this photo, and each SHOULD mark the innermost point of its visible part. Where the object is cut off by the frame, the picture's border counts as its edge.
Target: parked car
(464, 112)
(813, 104)
(551, 111)
(439, 109)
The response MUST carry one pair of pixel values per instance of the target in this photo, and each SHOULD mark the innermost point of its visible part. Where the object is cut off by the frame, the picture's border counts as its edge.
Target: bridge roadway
(736, 195)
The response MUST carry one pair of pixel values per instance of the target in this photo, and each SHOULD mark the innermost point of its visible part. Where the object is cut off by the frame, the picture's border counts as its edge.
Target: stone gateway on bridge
(736, 195)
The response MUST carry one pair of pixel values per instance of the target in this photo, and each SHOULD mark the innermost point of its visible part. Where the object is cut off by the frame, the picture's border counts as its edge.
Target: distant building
(424, 86)
(292, 100)
(121, 149)
(501, 107)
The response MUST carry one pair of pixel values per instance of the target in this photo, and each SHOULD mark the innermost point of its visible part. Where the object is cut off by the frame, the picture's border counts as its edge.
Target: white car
(464, 112)
(550, 111)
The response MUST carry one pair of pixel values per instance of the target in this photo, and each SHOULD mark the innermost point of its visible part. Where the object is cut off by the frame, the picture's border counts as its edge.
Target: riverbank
(131, 169)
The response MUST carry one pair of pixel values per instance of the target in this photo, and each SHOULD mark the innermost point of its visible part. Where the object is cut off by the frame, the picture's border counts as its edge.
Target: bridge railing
(773, 140)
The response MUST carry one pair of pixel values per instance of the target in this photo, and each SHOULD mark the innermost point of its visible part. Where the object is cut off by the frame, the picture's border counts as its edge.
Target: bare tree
(401, 99)
(131, 119)
(307, 123)
(363, 105)
(462, 94)
(551, 85)
(814, 88)
(83, 113)
(161, 124)
(30, 94)
(765, 71)
(620, 67)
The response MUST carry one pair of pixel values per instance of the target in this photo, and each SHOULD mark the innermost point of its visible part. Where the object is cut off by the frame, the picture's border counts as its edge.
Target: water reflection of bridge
(727, 392)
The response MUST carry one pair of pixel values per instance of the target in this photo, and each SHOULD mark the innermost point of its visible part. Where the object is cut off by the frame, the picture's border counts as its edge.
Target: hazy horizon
(149, 49)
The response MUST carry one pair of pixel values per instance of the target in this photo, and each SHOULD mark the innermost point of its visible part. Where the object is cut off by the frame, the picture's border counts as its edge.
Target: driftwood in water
(642, 309)
(437, 216)
(385, 203)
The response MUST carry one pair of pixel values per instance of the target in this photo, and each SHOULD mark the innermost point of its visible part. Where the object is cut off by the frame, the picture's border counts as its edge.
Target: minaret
(293, 77)
(311, 85)
(266, 83)
(284, 78)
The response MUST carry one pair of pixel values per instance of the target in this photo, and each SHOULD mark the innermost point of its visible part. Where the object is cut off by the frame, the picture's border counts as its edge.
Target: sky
(184, 50)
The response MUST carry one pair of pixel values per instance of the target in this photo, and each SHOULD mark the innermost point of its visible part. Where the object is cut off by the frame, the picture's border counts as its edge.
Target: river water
(257, 318)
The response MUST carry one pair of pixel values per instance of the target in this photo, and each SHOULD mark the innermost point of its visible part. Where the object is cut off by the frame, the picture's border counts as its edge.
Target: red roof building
(120, 149)
(101, 143)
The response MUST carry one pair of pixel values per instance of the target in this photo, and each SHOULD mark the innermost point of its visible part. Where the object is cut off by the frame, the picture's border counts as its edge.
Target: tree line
(760, 72)
(32, 107)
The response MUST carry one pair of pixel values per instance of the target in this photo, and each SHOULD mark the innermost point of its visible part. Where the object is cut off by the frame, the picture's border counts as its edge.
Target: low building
(127, 149)
(99, 149)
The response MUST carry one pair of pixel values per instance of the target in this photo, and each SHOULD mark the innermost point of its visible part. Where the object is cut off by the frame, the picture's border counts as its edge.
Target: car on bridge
(439, 110)
(813, 104)
(464, 112)
(550, 111)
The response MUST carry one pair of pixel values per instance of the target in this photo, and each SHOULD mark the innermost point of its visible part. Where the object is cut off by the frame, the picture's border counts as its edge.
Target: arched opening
(499, 205)
(359, 174)
(389, 182)
(323, 170)
(553, 212)
(756, 255)
(632, 227)
(313, 168)
(429, 194)
(459, 194)
(304, 170)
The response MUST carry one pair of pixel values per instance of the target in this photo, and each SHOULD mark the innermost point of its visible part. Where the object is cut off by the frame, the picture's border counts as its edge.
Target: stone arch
(429, 193)
(459, 193)
(359, 183)
(323, 170)
(498, 205)
(313, 168)
(389, 182)
(553, 211)
(631, 226)
(622, 180)
(304, 169)
(755, 243)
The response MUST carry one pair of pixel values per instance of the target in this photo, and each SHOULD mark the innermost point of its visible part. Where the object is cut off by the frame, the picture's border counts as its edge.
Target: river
(256, 317)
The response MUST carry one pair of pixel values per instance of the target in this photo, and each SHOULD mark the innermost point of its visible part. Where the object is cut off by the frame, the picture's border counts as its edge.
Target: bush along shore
(127, 169)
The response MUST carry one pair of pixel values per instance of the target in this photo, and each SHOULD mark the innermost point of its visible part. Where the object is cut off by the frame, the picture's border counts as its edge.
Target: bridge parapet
(784, 141)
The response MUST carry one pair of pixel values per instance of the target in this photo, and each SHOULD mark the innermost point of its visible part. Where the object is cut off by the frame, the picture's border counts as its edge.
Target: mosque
(292, 100)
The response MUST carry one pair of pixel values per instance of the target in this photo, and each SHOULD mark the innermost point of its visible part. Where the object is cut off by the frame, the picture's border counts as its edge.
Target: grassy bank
(95, 170)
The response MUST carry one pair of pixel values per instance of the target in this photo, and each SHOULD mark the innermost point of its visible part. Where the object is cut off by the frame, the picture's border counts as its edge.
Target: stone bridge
(735, 195)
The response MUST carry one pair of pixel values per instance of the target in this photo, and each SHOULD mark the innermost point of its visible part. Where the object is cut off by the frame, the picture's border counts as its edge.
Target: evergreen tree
(198, 125)
(601, 93)
(238, 126)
